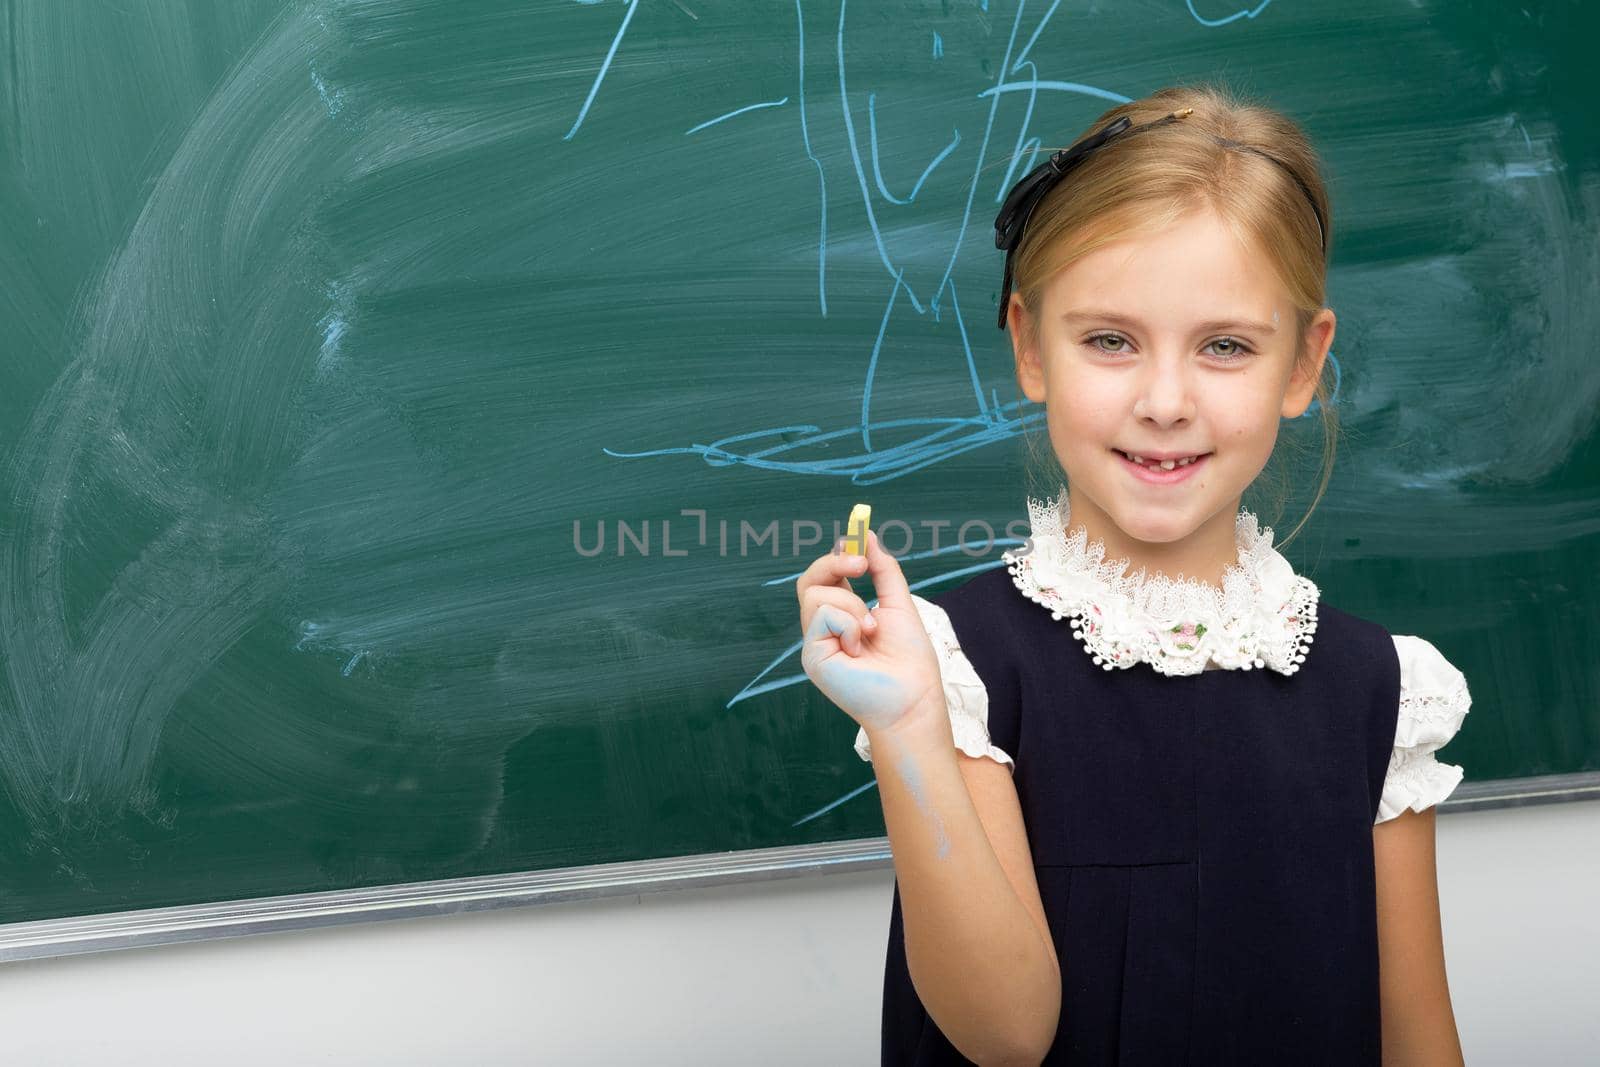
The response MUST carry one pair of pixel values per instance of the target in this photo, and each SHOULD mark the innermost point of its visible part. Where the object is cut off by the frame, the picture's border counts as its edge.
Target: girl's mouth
(1166, 472)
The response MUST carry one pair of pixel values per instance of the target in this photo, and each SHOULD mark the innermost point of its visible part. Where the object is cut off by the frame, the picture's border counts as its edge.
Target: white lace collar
(1263, 616)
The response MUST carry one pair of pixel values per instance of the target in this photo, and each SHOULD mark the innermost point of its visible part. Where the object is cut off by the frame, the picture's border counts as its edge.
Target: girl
(1149, 800)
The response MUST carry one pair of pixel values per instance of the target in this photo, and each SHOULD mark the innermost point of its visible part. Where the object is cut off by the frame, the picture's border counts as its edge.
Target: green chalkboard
(338, 332)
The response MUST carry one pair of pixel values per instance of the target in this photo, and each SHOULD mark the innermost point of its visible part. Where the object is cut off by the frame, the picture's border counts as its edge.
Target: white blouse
(1263, 616)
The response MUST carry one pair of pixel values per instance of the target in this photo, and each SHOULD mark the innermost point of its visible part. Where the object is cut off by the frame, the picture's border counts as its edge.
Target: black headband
(1026, 194)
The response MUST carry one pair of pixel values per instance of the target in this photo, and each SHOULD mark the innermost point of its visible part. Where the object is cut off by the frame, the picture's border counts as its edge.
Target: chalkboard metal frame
(197, 922)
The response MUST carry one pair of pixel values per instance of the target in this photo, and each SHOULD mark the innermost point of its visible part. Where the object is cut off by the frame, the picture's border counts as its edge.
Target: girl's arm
(978, 945)
(1419, 1027)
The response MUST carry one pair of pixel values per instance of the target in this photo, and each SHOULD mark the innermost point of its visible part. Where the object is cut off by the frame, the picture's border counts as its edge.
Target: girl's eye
(1236, 349)
(1095, 340)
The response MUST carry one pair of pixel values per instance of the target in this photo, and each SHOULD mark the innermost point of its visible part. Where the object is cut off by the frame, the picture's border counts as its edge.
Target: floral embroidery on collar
(1264, 615)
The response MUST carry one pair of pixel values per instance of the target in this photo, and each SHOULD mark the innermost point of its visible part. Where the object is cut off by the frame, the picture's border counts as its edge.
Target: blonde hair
(1142, 182)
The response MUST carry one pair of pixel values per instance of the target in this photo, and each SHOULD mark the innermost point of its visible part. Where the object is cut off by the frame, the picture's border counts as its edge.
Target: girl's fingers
(850, 565)
(848, 603)
(887, 578)
(830, 620)
(834, 569)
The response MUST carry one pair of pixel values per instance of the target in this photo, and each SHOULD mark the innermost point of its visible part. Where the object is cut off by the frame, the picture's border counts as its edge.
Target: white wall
(782, 972)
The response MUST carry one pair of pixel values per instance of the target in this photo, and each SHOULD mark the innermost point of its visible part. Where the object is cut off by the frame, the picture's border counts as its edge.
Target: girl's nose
(1165, 394)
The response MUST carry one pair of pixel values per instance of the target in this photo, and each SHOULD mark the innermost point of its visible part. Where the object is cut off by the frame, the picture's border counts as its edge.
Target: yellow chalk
(855, 541)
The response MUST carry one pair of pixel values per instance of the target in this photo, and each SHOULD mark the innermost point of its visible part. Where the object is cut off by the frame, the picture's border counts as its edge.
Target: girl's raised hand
(879, 665)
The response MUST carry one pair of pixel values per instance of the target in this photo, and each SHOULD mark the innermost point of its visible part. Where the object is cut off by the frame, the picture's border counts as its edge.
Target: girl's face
(1178, 343)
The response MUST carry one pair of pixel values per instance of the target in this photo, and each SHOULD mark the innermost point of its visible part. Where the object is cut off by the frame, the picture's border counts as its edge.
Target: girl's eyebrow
(1243, 325)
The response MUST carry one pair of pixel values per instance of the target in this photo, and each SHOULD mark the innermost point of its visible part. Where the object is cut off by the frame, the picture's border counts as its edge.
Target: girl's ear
(1025, 350)
(1307, 370)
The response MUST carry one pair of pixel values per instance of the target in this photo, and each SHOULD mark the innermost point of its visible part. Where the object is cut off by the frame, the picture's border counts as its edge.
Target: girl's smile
(1157, 471)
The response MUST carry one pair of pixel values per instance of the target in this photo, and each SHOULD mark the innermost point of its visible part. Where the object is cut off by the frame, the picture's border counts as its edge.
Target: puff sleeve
(1433, 701)
(964, 692)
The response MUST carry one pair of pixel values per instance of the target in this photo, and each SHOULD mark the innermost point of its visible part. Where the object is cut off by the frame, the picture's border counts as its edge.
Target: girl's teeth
(1166, 464)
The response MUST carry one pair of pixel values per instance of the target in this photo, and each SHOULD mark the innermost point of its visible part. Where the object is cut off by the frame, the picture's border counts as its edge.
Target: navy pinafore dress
(1203, 843)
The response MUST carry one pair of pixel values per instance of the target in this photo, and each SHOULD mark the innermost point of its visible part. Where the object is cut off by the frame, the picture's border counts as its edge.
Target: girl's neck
(1205, 554)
